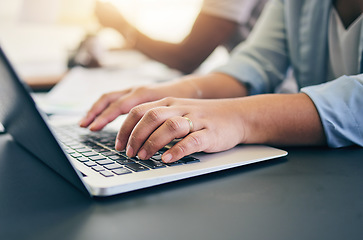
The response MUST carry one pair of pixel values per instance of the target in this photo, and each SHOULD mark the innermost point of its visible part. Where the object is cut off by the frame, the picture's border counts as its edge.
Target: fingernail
(142, 154)
(129, 151)
(81, 122)
(91, 126)
(167, 157)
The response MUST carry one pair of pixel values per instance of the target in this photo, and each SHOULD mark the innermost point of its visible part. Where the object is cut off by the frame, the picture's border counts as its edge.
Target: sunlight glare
(168, 20)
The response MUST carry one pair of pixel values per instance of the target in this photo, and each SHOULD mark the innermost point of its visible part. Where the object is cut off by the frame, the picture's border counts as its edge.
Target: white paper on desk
(81, 87)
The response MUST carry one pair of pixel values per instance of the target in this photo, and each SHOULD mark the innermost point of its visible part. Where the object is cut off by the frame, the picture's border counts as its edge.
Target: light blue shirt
(294, 34)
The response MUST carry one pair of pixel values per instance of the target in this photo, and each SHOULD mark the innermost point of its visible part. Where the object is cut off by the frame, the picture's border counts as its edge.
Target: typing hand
(204, 125)
(111, 105)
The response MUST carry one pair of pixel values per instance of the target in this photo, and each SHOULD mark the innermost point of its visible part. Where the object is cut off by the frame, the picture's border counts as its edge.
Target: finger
(133, 127)
(146, 127)
(172, 128)
(98, 107)
(194, 142)
(129, 124)
(138, 126)
(129, 99)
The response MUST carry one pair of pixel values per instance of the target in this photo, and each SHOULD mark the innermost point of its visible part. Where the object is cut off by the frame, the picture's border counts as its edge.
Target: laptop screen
(22, 120)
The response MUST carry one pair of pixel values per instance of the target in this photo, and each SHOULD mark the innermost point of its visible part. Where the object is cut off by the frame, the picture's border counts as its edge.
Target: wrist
(191, 87)
(130, 35)
(195, 90)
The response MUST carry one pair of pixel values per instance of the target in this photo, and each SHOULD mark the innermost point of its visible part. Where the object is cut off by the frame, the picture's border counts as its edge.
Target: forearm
(207, 33)
(211, 86)
(281, 119)
(174, 55)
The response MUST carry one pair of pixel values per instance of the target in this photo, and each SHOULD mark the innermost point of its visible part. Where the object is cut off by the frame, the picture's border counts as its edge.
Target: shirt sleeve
(235, 10)
(261, 62)
(340, 106)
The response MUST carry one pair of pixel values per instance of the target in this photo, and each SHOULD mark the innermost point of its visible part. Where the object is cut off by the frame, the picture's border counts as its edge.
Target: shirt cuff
(339, 104)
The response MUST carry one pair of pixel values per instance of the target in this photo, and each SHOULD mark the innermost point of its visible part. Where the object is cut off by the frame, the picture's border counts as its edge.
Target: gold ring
(190, 124)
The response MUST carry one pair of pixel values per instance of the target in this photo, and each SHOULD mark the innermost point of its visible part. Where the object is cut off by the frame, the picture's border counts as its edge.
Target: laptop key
(122, 153)
(136, 167)
(152, 164)
(96, 158)
(98, 168)
(121, 171)
(75, 155)
(107, 152)
(90, 163)
(77, 146)
(116, 157)
(83, 150)
(89, 154)
(156, 157)
(104, 162)
(125, 161)
(188, 160)
(174, 163)
(82, 159)
(113, 166)
(106, 173)
(69, 151)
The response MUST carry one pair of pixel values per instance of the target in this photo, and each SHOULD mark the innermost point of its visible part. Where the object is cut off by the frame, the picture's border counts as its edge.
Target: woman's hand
(111, 105)
(151, 126)
(218, 125)
(108, 107)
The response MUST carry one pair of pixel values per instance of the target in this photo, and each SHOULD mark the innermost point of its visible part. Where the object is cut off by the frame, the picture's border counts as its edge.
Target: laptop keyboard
(96, 151)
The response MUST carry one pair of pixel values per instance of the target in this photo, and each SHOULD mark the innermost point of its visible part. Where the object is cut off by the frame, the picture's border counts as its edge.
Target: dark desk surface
(314, 193)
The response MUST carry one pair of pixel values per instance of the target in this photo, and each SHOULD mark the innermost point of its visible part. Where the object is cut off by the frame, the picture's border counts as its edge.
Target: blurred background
(37, 35)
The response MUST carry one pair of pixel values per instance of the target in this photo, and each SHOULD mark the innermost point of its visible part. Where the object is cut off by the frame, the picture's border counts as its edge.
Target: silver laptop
(89, 161)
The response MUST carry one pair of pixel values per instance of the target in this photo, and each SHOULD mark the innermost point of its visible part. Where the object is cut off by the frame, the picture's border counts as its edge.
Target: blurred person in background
(226, 23)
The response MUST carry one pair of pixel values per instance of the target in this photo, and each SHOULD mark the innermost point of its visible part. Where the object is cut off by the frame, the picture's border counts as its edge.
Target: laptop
(88, 160)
